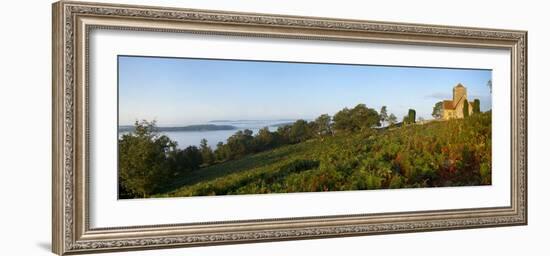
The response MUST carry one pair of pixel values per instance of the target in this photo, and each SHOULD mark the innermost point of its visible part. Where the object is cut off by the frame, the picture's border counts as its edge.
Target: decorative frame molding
(72, 22)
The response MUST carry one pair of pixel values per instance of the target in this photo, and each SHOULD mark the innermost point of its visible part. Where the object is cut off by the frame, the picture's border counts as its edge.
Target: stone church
(454, 108)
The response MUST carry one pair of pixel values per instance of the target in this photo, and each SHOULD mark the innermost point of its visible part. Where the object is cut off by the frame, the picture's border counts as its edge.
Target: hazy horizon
(221, 121)
(182, 91)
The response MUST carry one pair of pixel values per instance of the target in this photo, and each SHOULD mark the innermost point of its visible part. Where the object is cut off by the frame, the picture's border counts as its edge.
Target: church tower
(455, 108)
(459, 91)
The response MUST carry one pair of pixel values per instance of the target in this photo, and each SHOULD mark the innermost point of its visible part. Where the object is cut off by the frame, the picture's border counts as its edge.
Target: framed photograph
(179, 127)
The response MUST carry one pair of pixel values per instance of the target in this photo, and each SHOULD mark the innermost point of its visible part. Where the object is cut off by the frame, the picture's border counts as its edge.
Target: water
(193, 138)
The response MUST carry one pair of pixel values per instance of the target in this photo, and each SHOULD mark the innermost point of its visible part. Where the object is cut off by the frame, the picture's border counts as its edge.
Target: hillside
(446, 153)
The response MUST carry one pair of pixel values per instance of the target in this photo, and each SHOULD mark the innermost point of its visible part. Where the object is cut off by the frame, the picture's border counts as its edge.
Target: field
(435, 154)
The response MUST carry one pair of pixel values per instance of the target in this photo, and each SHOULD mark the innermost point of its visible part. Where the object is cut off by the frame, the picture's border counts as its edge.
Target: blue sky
(179, 91)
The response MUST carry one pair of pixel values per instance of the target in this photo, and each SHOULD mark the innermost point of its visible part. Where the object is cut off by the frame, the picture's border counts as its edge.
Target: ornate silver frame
(72, 21)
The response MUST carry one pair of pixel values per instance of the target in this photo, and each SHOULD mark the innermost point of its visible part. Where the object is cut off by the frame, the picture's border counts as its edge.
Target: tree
(412, 116)
(342, 120)
(300, 131)
(240, 144)
(466, 109)
(143, 164)
(383, 115)
(221, 152)
(490, 85)
(358, 118)
(264, 140)
(392, 119)
(186, 160)
(364, 118)
(193, 157)
(323, 125)
(437, 112)
(476, 106)
(206, 152)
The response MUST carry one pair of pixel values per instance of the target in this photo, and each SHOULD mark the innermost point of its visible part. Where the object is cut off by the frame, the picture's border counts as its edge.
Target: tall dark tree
(221, 152)
(412, 116)
(383, 115)
(476, 106)
(437, 111)
(466, 109)
(206, 152)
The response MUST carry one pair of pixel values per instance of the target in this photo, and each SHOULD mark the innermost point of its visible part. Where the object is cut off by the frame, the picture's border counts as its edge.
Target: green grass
(447, 153)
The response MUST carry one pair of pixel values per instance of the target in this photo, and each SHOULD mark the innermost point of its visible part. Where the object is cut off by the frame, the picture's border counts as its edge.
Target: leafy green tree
(384, 115)
(313, 129)
(466, 109)
(392, 119)
(193, 157)
(182, 161)
(364, 118)
(143, 165)
(356, 119)
(283, 135)
(342, 120)
(476, 106)
(412, 116)
(300, 131)
(264, 140)
(437, 111)
(240, 144)
(221, 152)
(323, 125)
(206, 152)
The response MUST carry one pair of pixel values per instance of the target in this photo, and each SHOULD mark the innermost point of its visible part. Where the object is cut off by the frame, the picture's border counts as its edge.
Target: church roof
(451, 104)
(448, 104)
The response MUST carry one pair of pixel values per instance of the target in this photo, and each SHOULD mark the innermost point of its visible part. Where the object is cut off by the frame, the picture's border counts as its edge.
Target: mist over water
(193, 138)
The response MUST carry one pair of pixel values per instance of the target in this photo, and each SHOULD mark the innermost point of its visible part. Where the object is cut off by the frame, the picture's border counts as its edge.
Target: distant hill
(188, 128)
(250, 120)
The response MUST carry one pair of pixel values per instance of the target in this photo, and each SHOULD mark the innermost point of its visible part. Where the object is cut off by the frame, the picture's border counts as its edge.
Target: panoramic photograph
(208, 127)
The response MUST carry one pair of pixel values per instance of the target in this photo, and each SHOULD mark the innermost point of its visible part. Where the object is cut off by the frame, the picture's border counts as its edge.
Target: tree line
(347, 120)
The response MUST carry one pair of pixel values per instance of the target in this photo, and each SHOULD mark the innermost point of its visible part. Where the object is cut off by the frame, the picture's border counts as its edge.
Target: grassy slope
(448, 153)
(264, 162)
